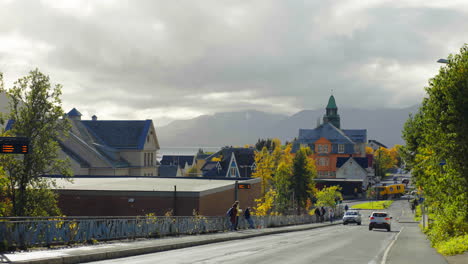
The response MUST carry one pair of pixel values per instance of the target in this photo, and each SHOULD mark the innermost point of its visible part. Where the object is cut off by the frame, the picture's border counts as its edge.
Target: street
(334, 244)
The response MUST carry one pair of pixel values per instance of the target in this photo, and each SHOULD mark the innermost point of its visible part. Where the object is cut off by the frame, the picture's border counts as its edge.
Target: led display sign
(14, 145)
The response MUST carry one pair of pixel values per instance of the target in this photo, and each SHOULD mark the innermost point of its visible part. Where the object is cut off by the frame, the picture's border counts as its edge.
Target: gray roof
(119, 134)
(168, 170)
(327, 131)
(145, 184)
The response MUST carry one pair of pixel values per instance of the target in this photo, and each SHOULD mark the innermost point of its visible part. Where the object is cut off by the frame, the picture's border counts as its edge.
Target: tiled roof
(377, 142)
(119, 134)
(179, 160)
(74, 112)
(361, 161)
(168, 170)
(327, 131)
(356, 135)
(244, 158)
(9, 124)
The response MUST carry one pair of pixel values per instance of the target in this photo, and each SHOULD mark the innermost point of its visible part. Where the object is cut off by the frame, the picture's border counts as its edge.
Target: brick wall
(116, 203)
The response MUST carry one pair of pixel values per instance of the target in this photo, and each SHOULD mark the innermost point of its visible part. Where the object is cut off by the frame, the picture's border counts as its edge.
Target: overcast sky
(166, 60)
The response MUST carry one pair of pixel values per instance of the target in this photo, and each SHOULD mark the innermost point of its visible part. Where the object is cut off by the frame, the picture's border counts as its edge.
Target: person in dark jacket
(248, 217)
(322, 214)
(232, 214)
(317, 215)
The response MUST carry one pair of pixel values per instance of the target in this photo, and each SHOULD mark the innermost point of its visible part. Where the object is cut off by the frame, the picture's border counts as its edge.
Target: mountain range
(246, 127)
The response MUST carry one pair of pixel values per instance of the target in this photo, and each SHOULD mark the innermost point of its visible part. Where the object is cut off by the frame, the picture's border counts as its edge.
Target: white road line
(384, 258)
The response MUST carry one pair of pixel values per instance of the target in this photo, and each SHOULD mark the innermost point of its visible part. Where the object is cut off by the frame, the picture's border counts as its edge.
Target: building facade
(329, 142)
(110, 147)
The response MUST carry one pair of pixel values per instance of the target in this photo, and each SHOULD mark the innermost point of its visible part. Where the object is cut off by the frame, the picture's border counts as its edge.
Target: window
(323, 162)
(340, 148)
(144, 162)
(233, 172)
(321, 148)
(357, 148)
(152, 160)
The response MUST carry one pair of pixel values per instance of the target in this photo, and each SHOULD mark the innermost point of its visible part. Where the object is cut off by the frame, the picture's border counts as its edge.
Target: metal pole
(175, 200)
(235, 191)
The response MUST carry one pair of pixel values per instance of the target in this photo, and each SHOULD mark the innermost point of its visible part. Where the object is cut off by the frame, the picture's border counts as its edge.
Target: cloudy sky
(166, 60)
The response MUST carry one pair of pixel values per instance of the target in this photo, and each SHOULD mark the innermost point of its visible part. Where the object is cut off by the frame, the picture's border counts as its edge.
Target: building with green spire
(332, 115)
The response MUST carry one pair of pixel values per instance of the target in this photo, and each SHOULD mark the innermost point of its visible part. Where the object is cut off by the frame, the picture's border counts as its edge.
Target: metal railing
(45, 231)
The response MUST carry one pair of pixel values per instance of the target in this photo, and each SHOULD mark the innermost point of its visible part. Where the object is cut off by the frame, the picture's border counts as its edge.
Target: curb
(119, 253)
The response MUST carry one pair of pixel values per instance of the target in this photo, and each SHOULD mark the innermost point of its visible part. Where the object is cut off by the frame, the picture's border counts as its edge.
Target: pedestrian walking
(346, 208)
(248, 217)
(322, 214)
(232, 215)
(317, 215)
(239, 213)
(331, 214)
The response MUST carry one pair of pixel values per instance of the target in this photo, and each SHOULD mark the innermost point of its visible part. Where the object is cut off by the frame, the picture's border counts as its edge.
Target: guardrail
(46, 231)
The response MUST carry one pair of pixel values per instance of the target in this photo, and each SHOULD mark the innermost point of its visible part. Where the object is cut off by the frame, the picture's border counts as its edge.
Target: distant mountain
(246, 127)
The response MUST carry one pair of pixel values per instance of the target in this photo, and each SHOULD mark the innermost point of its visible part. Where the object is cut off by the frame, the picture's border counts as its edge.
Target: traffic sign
(243, 186)
(14, 145)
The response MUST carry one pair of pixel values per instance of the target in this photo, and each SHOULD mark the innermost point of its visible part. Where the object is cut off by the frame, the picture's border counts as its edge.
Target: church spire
(332, 115)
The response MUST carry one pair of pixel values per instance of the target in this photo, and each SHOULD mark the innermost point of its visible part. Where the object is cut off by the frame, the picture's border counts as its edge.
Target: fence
(45, 231)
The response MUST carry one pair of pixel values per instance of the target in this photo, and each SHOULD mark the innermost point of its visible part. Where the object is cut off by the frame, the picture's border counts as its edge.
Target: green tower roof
(331, 103)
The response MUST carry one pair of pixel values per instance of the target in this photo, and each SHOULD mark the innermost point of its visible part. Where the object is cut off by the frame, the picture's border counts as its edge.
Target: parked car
(380, 220)
(405, 181)
(352, 216)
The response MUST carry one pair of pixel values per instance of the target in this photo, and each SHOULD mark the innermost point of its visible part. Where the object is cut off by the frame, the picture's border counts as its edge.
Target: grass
(453, 246)
(377, 205)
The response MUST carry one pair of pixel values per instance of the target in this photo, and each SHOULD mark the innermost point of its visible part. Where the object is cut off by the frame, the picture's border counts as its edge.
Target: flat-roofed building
(129, 196)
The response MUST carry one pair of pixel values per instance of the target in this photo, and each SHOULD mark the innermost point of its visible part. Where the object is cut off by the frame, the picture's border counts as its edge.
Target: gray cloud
(178, 59)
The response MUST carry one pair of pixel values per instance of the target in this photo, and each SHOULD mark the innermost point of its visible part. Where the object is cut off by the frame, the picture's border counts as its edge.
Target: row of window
(326, 174)
(323, 148)
(148, 174)
(148, 159)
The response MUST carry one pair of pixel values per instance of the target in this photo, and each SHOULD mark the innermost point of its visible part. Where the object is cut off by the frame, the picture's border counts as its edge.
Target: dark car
(405, 181)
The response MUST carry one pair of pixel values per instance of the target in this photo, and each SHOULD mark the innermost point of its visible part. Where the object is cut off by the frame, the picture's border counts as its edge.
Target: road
(334, 244)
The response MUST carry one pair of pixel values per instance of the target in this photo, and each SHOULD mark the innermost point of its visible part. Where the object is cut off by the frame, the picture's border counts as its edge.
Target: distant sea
(184, 150)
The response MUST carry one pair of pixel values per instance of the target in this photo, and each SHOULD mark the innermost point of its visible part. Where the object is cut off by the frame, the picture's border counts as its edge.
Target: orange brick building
(328, 142)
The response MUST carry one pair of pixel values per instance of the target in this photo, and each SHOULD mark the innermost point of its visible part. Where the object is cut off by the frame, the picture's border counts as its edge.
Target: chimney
(94, 117)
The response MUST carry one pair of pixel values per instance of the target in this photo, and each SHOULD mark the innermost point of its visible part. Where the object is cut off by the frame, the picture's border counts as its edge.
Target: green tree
(383, 160)
(328, 196)
(304, 173)
(36, 109)
(437, 148)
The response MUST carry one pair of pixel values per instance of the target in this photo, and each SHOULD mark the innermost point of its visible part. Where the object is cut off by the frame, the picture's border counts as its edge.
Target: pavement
(410, 245)
(120, 249)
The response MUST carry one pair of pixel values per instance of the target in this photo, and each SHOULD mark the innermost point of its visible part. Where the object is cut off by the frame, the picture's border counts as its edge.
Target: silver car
(352, 216)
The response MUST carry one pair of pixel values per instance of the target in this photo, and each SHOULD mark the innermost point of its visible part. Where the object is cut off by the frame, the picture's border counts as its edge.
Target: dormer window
(322, 148)
(341, 148)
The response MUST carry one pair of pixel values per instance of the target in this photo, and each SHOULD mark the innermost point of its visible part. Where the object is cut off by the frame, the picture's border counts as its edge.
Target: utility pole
(235, 191)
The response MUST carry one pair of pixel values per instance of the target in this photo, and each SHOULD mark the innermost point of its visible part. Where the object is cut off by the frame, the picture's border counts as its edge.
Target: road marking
(384, 258)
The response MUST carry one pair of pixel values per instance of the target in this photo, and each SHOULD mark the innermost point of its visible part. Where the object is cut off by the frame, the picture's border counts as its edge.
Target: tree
(304, 173)
(264, 169)
(437, 148)
(328, 196)
(36, 109)
(383, 161)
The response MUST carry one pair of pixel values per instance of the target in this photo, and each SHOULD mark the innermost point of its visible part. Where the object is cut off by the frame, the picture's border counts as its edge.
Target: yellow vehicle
(390, 191)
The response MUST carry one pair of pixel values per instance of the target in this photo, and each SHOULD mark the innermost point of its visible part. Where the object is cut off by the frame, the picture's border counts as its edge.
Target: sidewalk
(411, 245)
(125, 249)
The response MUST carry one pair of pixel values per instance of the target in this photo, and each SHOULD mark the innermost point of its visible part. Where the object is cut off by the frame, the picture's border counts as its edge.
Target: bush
(453, 246)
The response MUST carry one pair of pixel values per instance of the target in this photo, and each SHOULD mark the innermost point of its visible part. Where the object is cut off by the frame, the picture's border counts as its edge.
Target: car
(405, 181)
(352, 216)
(380, 220)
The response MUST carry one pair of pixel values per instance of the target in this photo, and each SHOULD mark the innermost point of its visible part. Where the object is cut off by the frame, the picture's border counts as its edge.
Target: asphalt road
(334, 244)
